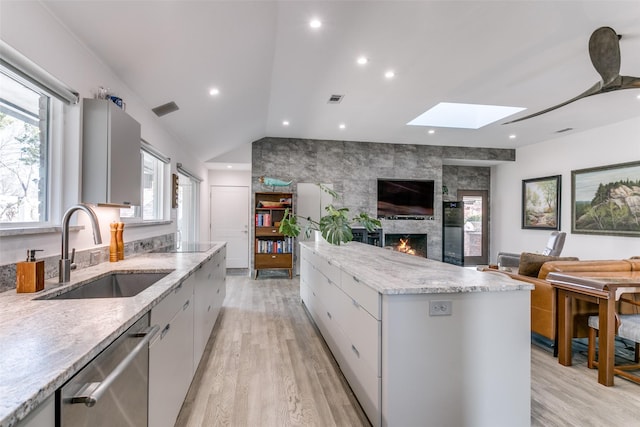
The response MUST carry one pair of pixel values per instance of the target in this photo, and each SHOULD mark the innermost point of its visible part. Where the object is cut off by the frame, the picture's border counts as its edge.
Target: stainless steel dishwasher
(112, 389)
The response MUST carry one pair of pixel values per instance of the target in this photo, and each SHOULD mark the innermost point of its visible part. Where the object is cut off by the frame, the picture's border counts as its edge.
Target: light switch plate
(440, 308)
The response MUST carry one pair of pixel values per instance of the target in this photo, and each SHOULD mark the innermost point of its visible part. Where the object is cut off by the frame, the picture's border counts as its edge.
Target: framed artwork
(606, 200)
(541, 203)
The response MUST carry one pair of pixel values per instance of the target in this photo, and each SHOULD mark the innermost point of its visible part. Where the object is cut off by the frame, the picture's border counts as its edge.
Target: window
(188, 206)
(153, 182)
(24, 151)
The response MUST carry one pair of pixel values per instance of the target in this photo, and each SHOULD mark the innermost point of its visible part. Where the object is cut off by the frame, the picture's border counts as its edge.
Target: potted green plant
(335, 226)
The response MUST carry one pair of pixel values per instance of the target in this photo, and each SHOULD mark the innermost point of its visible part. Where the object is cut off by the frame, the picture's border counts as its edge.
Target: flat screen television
(405, 198)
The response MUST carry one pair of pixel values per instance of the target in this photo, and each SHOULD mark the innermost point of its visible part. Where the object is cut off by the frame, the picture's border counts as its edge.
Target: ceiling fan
(604, 50)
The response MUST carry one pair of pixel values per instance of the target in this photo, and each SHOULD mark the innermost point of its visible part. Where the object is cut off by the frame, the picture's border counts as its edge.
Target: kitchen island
(419, 341)
(45, 342)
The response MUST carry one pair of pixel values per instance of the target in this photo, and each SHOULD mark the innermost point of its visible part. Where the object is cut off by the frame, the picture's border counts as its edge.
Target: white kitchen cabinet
(111, 159)
(407, 364)
(209, 293)
(171, 355)
(340, 306)
(43, 416)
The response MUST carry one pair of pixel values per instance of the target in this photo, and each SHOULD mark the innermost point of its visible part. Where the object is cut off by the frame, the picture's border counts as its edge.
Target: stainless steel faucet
(65, 265)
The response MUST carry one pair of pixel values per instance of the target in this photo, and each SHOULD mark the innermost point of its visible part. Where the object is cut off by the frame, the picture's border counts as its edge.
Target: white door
(230, 222)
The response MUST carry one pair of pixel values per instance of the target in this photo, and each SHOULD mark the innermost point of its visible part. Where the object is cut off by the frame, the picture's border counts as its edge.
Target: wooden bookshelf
(272, 250)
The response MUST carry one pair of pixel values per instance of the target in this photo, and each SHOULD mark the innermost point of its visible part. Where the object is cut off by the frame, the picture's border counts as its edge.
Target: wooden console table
(604, 289)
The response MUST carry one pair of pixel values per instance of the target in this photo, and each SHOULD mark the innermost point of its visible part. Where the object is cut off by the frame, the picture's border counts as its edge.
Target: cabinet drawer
(361, 329)
(329, 270)
(162, 313)
(364, 295)
(267, 231)
(273, 261)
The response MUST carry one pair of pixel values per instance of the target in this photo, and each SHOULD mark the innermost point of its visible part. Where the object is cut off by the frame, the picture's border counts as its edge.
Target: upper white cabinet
(110, 155)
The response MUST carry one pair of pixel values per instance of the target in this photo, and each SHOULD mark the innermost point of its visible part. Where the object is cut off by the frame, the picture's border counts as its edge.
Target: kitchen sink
(114, 285)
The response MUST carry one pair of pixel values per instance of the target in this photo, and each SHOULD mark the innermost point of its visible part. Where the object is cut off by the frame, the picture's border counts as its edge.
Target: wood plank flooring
(266, 365)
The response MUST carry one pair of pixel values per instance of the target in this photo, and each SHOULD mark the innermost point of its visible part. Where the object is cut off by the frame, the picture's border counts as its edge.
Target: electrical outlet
(440, 308)
(94, 257)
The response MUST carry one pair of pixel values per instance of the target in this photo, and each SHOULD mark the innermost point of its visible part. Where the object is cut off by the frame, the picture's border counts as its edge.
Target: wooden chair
(627, 327)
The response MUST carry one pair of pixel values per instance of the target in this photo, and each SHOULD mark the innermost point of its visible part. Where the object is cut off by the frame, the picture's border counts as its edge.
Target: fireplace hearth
(413, 244)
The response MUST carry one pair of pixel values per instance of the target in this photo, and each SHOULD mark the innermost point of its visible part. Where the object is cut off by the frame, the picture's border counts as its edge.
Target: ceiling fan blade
(593, 90)
(629, 82)
(604, 50)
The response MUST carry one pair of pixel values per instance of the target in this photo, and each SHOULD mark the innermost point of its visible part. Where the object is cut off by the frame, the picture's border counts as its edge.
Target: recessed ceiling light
(229, 167)
(467, 116)
(315, 23)
(638, 96)
(214, 91)
(512, 136)
(342, 126)
(362, 60)
(390, 74)
(285, 123)
(431, 131)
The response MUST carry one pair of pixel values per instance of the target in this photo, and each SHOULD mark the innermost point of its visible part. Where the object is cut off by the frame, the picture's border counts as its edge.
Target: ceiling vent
(564, 130)
(165, 109)
(335, 99)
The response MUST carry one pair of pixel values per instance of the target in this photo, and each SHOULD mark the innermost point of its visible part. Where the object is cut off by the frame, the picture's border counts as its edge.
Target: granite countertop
(395, 273)
(45, 342)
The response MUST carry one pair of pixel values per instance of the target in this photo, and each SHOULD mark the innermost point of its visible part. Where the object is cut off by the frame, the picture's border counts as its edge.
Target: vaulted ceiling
(270, 66)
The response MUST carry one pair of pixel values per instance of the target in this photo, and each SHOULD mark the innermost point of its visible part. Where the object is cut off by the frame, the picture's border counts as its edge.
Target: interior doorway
(476, 229)
(229, 222)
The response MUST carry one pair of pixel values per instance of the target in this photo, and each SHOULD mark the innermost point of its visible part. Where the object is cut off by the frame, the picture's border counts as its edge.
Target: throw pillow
(530, 264)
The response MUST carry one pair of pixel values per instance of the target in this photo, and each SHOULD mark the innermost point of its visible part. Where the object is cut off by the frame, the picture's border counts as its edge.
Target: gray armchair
(553, 248)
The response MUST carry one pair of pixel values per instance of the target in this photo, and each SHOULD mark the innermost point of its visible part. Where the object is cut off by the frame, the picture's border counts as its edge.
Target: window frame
(161, 193)
(51, 145)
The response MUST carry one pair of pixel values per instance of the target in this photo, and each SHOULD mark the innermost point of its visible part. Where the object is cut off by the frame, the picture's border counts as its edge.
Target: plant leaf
(335, 229)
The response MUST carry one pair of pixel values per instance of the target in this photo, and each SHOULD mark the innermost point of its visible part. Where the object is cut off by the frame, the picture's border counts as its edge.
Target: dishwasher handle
(90, 393)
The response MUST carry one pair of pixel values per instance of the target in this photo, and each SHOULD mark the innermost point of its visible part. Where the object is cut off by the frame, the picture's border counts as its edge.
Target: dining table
(604, 289)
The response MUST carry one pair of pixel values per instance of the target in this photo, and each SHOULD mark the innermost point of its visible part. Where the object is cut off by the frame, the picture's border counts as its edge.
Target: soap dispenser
(30, 273)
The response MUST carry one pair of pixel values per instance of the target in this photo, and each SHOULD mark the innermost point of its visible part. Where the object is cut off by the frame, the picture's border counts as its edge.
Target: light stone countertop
(45, 342)
(395, 273)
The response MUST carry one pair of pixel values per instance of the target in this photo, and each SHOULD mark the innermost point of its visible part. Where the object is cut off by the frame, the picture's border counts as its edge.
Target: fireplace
(413, 244)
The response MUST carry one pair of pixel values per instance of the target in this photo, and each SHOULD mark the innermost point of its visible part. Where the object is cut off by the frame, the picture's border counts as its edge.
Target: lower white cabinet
(347, 314)
(209, 293)
(186, 318)
(171, 356)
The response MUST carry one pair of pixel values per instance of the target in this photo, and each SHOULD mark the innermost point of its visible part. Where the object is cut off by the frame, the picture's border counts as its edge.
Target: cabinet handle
(178, 288)
(218, 291)
(355, 303)
(314, 294)
(209, 308)
(273, 231)
(356, 279)
(329, 314)
(165, 331)
(273, 256)
(355, 350)
(186, 305)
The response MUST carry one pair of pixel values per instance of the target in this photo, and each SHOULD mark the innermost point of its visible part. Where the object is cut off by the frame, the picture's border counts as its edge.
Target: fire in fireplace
(413, 244)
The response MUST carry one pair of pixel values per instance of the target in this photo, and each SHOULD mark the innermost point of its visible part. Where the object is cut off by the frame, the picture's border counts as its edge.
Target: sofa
(534, 269)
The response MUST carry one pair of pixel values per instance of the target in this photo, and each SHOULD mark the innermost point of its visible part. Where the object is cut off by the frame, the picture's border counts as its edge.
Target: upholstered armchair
(553, 248)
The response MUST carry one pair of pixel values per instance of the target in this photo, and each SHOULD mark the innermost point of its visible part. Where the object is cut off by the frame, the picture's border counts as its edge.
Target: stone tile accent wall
(83, 258)
(354, 167)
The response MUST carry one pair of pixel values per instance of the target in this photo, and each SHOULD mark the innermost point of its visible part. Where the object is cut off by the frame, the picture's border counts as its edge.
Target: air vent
(564, 130)
(335, 99)
(165, 109)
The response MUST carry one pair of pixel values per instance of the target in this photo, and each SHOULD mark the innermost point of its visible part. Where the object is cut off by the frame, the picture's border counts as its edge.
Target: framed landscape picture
(541, 203)
(606, 200)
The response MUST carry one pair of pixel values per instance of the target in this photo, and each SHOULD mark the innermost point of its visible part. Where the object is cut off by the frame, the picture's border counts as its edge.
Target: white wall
(29, 27)
(618, 143)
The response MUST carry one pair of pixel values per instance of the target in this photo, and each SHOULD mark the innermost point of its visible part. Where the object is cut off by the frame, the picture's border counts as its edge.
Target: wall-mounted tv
(404, 198)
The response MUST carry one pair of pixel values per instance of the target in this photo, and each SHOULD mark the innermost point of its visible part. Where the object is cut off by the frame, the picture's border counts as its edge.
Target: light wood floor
(266, 365)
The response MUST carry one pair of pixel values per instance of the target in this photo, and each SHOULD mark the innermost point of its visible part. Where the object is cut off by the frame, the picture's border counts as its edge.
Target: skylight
(467, 116)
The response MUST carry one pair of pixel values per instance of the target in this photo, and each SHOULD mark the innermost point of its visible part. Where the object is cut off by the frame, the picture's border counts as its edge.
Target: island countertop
(45, 342)
(395, 273)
